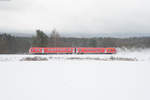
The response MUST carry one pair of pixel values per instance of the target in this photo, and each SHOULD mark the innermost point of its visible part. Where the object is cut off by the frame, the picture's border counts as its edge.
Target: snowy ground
(62, 79)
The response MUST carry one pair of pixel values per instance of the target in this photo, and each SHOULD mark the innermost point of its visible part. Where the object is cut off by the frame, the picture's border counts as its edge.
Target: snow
(62, 79)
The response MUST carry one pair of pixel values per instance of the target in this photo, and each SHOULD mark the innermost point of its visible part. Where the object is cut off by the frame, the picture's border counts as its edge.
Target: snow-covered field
(61, 78)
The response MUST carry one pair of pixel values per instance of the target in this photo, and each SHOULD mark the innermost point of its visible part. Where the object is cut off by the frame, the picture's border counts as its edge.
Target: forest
(10, 44)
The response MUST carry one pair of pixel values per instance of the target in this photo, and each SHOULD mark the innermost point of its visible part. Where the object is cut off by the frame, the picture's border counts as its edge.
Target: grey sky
(72, 16)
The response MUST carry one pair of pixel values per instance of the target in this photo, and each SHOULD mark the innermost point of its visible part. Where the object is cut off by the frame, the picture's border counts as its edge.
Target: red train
(71, 50)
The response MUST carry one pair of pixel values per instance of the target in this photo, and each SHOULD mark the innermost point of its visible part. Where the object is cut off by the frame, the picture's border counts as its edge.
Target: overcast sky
(72, 16)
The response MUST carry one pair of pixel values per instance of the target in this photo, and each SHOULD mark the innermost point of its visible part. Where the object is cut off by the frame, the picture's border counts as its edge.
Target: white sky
(72, 16)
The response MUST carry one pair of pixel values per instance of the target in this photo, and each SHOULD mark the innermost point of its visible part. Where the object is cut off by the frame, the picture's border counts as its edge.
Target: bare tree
(54, 39)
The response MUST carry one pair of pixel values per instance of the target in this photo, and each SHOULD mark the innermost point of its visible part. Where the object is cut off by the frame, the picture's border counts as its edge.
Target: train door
(77, 50)
(105, 51)
(74, 50)
(42, 50)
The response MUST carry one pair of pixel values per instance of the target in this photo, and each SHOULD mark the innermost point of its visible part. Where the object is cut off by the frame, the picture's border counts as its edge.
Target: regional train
(71, 50)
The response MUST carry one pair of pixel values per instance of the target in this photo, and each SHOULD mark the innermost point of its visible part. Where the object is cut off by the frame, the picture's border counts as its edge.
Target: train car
(36, 50)
(70, 50)
(43, 50)
(111, 50)
(95, 50)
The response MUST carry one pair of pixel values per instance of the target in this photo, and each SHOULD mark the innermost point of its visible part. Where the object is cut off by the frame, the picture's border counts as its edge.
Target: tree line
(19, 45)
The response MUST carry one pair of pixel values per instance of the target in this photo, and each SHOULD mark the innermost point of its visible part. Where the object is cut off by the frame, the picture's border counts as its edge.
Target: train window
(35, 49)
(39, 49)
(70, 49)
